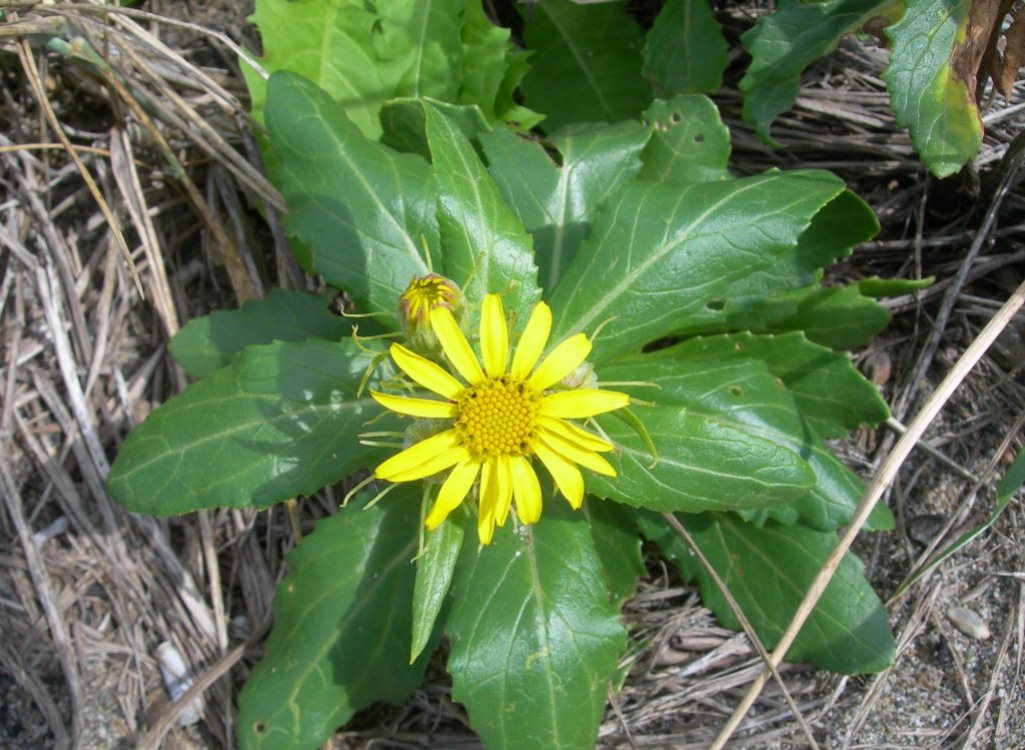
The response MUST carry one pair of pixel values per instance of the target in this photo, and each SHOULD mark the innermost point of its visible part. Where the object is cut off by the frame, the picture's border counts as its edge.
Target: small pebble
(968, 622)
(925, 527)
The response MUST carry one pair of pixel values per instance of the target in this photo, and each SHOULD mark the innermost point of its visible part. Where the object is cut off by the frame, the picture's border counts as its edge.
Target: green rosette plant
(563, 349)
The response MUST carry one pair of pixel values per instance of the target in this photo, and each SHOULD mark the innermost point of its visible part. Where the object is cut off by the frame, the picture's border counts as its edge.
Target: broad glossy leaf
(281, 420)
(831, 395)
(557, 201)
(704, 462)
(208, 343)
(932, 88)
(487, 250)
(839, 317)
(363, 54)
(688, 141)
(405, 123)
(662, 258)
(745, 393)
(434, 568)
(586, 65)
(685, 52)
(535, 639)
(341, 628)
(842, 223)
(784, 43)
(363, 209)
(768, 569)
(617, 545)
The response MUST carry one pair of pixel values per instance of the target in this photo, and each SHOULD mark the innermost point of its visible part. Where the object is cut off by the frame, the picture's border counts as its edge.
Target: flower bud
(423, 294)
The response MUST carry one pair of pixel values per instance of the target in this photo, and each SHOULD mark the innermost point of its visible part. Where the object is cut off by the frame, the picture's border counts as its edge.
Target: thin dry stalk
(880, 482)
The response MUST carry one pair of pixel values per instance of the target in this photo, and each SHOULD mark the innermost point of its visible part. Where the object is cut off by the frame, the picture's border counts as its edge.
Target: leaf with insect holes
(688, 141)
(716, 247)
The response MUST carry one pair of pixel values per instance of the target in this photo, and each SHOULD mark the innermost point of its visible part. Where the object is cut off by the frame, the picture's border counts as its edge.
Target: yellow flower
(502, 417)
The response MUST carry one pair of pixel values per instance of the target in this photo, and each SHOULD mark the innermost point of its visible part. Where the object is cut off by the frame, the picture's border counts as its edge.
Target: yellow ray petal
(526, 490)
(424, 458)
(562, 360)
(581, 456)
(505, 489)
(581, 403)
(426, 373)
(415, 407)
(574, 434)
(494, 337)
(453, 491)
(567, 476)
(532, 342)
(488, 502)
(456, 347)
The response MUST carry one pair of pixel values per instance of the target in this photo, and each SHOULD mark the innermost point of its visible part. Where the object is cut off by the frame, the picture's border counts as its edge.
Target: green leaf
(279, 421)
(768, 569)
(786, 42)
(878, 288)
(931, 92)
(363, 209)
(842, 223)
(662, 258)
(535, 639)
(363, 54)
(831, 395)
(586, 65)
(405, 123)
(486, 247)
(685, 52)
(208, 343)
(341, 628)
(839, 317)
(705, 463)
(617, 546)
(434, 569)
(688, 142)
(743, 393)
(557, 201)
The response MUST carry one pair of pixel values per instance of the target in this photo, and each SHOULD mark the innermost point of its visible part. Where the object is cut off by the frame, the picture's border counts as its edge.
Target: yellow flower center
(497, 417)
(424, 294)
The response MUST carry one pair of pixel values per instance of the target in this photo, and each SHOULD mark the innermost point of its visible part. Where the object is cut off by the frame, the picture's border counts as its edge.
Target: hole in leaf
(717, 303)
(699, 138)
(736, 390)
(259, 727)
(675, 117)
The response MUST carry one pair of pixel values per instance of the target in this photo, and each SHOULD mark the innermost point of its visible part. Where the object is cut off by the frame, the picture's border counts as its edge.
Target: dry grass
(130, 184)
